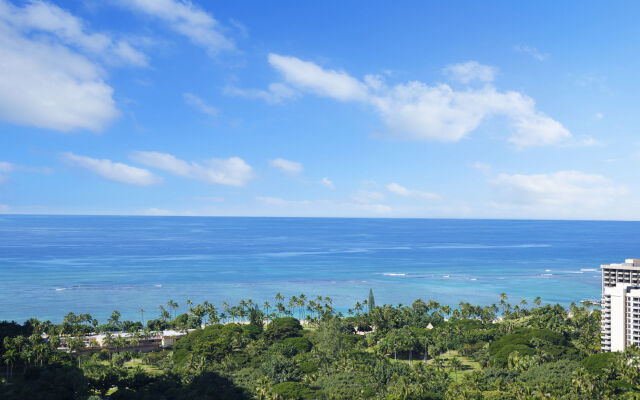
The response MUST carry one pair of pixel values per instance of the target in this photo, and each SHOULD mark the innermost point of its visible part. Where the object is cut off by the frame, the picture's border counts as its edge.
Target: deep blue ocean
(50, 265)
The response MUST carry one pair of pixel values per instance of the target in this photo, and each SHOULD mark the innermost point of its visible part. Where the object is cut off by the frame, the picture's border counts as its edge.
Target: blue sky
(363, 109)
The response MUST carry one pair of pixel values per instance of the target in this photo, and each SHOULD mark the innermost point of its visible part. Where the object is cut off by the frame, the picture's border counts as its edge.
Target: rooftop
(628, 263)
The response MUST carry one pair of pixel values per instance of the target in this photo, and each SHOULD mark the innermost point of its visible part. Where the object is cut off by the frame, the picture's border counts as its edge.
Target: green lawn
(468, 365)
(150, 369)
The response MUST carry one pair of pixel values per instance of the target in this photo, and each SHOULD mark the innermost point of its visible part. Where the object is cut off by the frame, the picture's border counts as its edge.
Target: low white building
(620, 305)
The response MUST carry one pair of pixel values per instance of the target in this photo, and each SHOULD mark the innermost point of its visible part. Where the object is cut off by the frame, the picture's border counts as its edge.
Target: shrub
(596, 363)
(556, 374)
(301, 344)
(525, 341)
(282, 328)
(280, 369)
(213, 342)
(293, 391)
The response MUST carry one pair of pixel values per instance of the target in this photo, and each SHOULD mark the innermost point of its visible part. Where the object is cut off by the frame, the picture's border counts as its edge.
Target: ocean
(51, 265)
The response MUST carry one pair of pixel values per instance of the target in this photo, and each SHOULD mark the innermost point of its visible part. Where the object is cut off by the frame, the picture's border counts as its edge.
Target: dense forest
(301, 348)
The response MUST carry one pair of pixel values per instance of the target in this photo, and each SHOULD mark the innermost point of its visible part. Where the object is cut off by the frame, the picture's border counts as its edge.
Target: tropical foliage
(301, 348)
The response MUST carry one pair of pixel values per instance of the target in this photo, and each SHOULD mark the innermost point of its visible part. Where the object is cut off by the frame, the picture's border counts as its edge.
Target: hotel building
(620, 305)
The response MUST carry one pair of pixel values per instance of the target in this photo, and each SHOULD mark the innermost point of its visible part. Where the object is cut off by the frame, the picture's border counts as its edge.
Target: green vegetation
(300, 348)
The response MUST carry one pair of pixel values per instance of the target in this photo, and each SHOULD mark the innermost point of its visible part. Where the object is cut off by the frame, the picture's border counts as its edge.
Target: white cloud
(598, 115)
(309, 76)
(399, 190)
(418, 111)
(565, 191)
(403, 191)
(286, 166)
(112, 171)
(327, 182)
(6, 166)
(470, 71)
(46, 80)
(210, 199)
(163, 161)
(186, 19)
(272, 201)
(130, 55)
(375, 208)
(363, 196)
(277, 201)
(199, 104)
(43, 17)
(537, 130)
(4, 207)
(233, 171)
(531, 51)
(483, 167)
(276, 93)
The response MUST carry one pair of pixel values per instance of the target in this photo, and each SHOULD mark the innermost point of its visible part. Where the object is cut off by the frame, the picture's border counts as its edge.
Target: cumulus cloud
(418, 111)
(309, 76)
(403, 191)
(186, 19)
(43, 17)
(286, 166)
(470, 71)
(112, 171)
(51, 73)
(557, 191)
(531, 51)
(233, 171)
(327, 182)
(199, 104)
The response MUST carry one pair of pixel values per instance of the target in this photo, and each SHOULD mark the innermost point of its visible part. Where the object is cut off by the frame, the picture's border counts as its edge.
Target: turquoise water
(50, 265)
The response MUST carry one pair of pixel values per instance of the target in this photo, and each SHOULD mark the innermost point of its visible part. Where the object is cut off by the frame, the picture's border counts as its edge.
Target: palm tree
(174, 306)
(10, 357)
(164, 314)
(446, 310)
(212, 313)
(115, 318)
(266, 306)
(537, 301)
(455, 364)
(108, 340)
(302, 301)
(142, 316)
(438, 362)
(293, 301)
(263, 388)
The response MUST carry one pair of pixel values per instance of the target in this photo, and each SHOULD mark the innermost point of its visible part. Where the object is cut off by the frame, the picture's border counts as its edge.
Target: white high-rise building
(620, 305)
